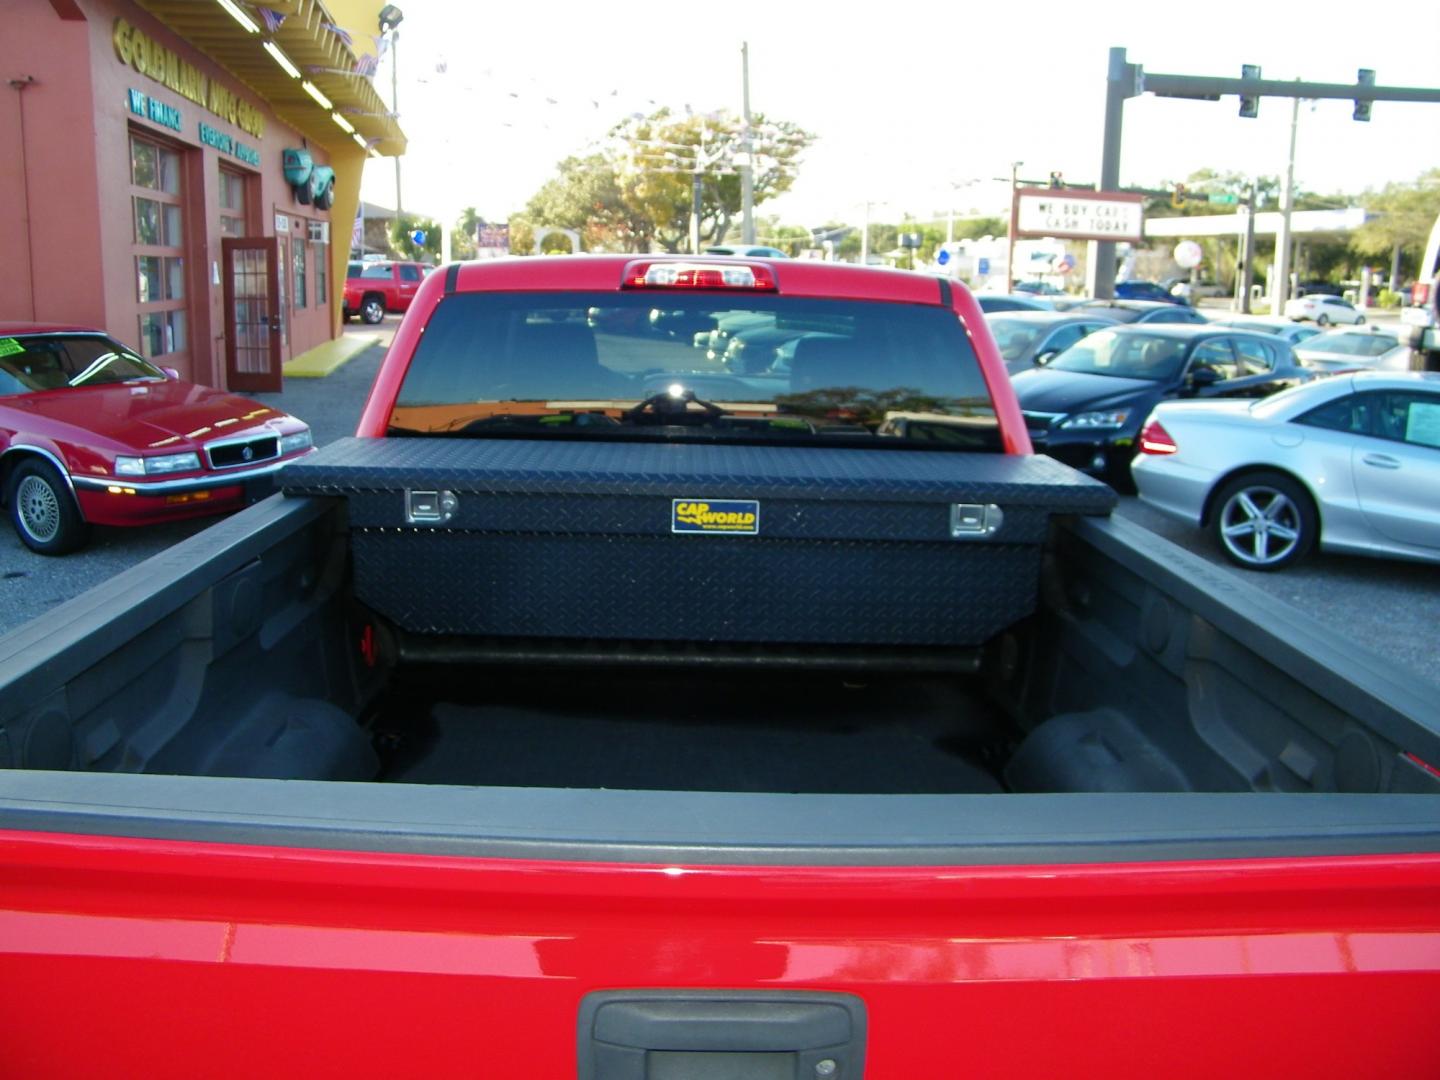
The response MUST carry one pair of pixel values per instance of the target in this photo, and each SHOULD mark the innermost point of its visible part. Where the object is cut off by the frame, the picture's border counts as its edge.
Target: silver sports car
(1351, 463)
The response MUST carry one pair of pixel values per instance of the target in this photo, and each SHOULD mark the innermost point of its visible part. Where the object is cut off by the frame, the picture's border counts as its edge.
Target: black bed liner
(567, 539)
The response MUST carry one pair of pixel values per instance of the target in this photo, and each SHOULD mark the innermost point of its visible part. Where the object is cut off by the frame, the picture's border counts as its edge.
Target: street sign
(1225, 199)
(942, 257)
(1078, 214)
(982, 265)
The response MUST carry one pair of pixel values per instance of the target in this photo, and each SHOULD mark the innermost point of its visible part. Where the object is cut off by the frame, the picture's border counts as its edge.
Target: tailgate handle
(729, 1034)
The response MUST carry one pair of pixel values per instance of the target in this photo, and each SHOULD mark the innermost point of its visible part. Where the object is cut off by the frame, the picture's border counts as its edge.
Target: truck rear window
(696, 366)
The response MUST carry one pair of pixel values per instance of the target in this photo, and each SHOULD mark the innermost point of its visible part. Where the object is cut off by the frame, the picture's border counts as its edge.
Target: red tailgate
(157, 958)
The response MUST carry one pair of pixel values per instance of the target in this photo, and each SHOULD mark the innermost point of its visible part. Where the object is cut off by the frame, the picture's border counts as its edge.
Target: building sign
(1078, 214)
(153, 109)
(492, 241)
(226, 145)
(155, 61)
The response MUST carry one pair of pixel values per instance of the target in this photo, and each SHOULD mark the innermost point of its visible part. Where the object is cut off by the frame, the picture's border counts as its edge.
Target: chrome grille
(234, 453)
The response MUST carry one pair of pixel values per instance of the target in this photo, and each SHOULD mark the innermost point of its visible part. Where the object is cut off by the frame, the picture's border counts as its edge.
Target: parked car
(1281, 327)
(748, 250)
(1146, 290)
(1087, 405)
(1142, 311)
(1038, 288)
(1318, 288)
(1350, 464)
(1027, 338)
(1010, 302)
(93, 434)
(1345, 350)
(1190, 291)
(1322, 309)
(375, 289)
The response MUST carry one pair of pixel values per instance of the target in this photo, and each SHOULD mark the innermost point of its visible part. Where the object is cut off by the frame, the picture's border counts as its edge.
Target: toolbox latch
(430, 507)
(971, 521)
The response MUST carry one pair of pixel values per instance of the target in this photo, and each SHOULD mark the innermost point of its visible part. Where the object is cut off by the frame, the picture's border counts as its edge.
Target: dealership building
(184, 173)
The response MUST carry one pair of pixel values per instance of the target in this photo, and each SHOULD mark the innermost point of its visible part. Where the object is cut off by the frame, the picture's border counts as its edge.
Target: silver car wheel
(39, 509)
(1260, 526)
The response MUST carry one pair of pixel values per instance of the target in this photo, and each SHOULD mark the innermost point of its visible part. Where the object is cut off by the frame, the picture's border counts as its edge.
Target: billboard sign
(1078, 214)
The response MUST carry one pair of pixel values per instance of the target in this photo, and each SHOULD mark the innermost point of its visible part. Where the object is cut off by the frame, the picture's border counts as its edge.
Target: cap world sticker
(732, 516)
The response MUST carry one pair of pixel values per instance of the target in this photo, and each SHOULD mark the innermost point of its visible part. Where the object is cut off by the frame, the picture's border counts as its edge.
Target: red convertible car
(91, 433)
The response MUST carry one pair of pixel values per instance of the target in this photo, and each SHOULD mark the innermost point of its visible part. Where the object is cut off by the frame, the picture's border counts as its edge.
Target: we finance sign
(1078, 214)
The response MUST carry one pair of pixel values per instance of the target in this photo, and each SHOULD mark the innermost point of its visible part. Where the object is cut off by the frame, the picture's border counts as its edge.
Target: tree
(404, 244)
(1404, 215)
(636, 192)
(462, 239)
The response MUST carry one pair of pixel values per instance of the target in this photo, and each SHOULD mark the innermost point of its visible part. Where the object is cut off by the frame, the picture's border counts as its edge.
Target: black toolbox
(694, 542)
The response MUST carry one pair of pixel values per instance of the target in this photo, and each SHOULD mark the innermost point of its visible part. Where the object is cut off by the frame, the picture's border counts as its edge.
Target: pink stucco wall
(60, 240)
(77, 152)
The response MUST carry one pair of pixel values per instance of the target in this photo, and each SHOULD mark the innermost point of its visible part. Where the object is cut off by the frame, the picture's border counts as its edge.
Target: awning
(320, 55)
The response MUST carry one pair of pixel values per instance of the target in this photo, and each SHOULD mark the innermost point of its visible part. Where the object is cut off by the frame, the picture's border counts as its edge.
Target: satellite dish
(1188, 254)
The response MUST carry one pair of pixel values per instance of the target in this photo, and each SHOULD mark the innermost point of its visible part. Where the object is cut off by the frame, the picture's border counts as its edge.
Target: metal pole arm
(1205, 87)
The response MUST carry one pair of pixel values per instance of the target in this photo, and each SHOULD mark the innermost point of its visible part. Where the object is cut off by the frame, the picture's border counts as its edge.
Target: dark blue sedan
(1087, 405)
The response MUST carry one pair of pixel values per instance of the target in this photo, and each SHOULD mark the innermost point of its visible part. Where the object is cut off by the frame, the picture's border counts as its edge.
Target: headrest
(559, 346)
(830, 362)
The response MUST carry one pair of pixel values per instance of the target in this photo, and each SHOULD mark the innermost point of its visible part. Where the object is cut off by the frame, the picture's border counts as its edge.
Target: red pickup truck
(373, 289)
(608, 709)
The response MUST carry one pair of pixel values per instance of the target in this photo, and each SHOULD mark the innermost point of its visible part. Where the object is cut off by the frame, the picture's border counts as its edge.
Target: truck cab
(376, 289)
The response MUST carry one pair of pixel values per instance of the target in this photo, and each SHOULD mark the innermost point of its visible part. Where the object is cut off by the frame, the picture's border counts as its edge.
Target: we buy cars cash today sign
(1078, 214)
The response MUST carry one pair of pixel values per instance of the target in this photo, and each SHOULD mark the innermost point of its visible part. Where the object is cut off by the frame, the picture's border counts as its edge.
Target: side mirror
(1041, 359)
(171, 373)
(1202, 377)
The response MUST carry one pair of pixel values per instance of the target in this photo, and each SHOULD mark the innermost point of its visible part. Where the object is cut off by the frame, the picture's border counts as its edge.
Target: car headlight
(1097, 421)
(149, 466)
(172, 463)
(301, 440)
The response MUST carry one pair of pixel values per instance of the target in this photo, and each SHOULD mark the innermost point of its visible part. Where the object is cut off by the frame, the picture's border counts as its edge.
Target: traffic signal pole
(1126, 80)
(1121, 82)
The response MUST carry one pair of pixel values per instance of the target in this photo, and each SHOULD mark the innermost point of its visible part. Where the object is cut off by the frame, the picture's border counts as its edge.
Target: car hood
(147, 415)
(1049, 390)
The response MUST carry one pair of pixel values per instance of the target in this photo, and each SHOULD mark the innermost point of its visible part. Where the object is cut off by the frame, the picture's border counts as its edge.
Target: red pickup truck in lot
(375, 289)
(606, 708)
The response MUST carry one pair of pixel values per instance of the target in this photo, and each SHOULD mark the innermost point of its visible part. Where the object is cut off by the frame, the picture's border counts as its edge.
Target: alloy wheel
(1261, 526)
(39, 509)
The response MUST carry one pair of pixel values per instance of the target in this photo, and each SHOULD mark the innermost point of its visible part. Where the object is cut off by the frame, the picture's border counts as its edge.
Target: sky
(910, 101)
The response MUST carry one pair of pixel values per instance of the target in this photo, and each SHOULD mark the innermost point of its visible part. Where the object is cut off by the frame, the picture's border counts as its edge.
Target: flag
(271, 19)
(365, 65)
(340, 32)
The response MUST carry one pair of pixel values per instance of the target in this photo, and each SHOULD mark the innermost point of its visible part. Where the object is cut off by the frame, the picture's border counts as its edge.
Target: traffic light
(1366, 77)
(1250, 103)
(1177, 197)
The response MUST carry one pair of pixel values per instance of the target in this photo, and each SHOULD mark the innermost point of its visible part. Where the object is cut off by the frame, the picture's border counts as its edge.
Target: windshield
(695, 366)
(1351, 344)
(1012, 336)
(53, 361)
(1129, 356)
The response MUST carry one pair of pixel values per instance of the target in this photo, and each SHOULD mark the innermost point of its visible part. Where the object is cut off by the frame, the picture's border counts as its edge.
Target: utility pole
(865, 239)
(395, 104)
(1280, 272)
(1247, 252)
(1010, 232)
(747, 145)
